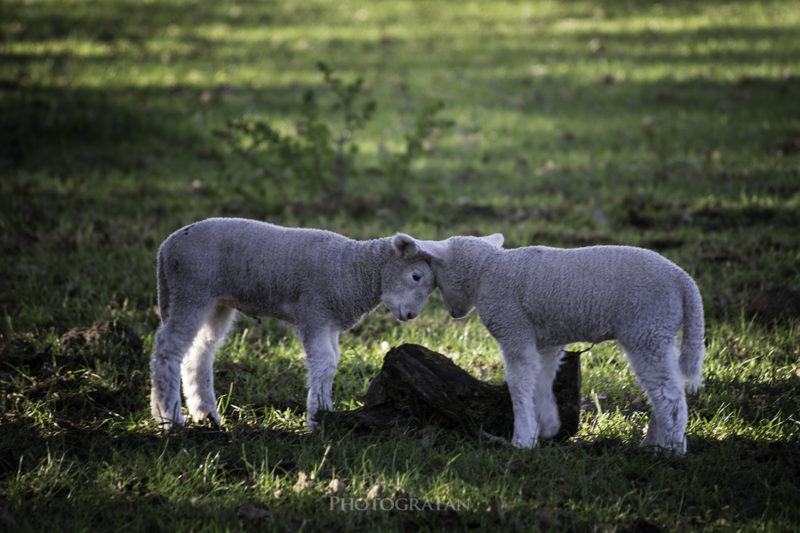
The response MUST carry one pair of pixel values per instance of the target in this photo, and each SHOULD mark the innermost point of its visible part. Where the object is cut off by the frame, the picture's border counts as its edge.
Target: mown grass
(673, 126)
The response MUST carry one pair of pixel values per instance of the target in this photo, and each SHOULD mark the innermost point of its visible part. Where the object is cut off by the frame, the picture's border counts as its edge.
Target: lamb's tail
(692, 347)
(163, 290)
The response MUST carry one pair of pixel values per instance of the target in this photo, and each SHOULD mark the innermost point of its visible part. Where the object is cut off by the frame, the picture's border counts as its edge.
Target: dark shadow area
(754, 402)
(25, 446)
(64, 132)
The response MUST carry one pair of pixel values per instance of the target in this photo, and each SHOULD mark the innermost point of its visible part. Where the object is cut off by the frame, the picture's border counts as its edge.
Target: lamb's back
(592, 269)
(584, 293)
(253, 262)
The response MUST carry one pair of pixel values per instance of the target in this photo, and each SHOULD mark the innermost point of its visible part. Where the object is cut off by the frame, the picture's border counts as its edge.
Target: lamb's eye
(416, 277)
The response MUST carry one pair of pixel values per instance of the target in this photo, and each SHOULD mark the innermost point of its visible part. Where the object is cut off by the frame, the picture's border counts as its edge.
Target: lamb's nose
(410, 315)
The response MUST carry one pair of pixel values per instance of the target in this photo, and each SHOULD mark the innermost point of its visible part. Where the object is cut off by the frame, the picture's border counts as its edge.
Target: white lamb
(536, 299)
(318, 281)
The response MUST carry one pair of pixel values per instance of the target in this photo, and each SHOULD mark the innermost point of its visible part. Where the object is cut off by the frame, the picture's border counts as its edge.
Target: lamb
(534, 300)
(319, 281)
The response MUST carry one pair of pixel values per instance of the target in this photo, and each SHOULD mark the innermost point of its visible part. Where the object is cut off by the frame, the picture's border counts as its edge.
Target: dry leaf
(375, 492)
(335, 486)
(302, 482)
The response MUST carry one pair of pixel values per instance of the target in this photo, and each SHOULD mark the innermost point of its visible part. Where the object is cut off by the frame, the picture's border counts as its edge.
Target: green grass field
(673, 125)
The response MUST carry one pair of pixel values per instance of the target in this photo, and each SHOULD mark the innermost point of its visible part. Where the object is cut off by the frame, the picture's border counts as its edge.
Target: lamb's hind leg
(172, 340)
(197, 368)
(545, 401)
(322, 356)
(659, 374)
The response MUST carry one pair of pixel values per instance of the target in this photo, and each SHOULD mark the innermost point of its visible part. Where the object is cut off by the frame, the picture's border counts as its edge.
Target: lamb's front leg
(321, 345)
(521, 366)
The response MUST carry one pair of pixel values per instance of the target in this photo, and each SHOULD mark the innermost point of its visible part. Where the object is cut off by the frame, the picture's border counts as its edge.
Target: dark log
(419, 386)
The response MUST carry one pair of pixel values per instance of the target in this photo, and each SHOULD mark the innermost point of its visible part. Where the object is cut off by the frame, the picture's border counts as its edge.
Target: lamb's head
(452, 262)
(406, 279)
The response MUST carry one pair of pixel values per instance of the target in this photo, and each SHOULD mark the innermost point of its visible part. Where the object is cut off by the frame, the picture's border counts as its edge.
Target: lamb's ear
(436, 250)
(496, 239)
(405, 245)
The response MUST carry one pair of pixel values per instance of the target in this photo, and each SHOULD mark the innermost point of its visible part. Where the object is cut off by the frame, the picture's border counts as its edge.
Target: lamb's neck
(476, 263)
(368, 260)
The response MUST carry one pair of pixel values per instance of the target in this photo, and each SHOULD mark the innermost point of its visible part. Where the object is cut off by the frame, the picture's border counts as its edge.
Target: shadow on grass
(755, 403)
(90, 132)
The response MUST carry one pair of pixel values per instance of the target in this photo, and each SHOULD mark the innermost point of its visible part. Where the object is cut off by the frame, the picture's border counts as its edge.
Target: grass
(670, 125)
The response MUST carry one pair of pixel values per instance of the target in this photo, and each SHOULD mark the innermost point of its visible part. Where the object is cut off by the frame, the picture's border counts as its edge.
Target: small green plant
(426, 124)
(315, 155)
(354, 118)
